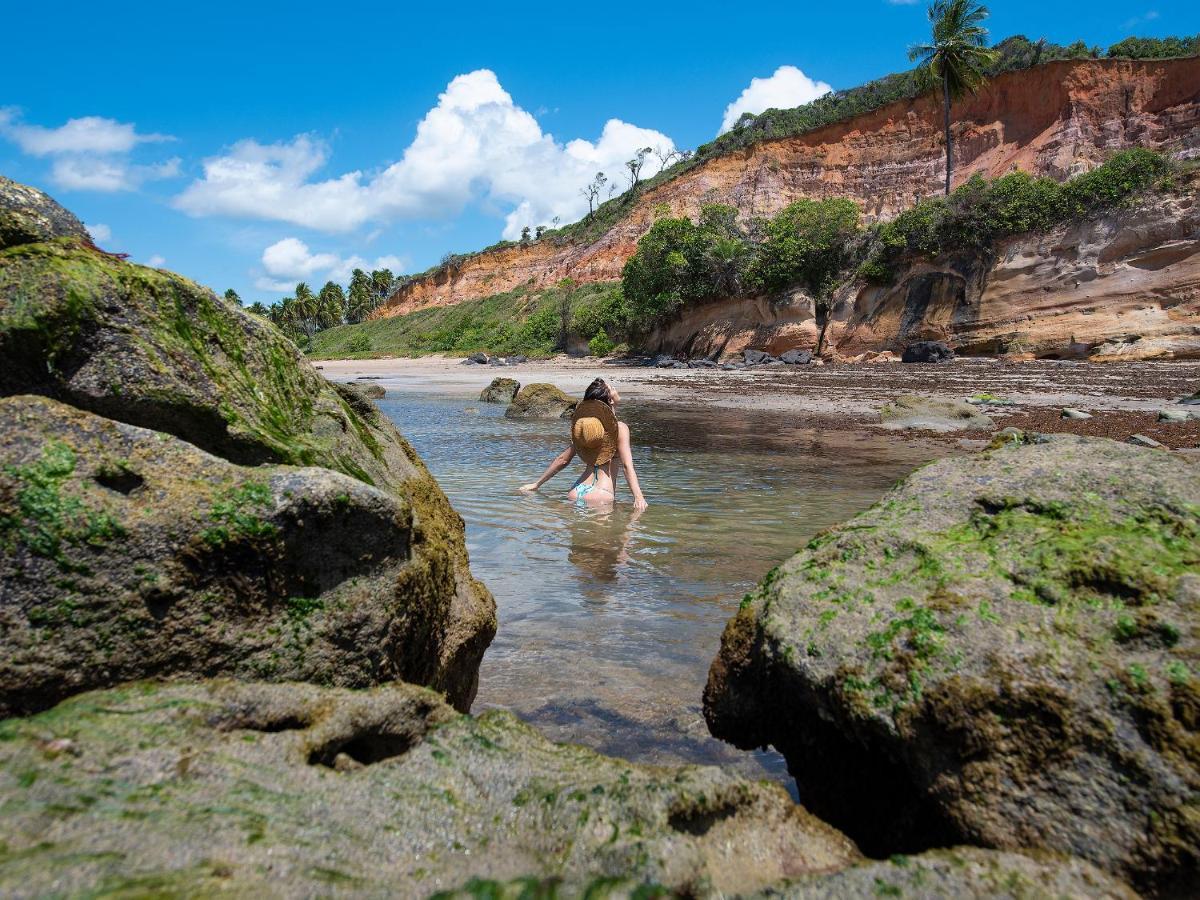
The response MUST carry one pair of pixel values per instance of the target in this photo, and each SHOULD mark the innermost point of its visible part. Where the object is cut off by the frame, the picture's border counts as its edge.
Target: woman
(597, 437)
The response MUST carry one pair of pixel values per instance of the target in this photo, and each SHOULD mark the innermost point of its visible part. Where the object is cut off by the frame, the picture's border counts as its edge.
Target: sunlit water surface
(609, 621)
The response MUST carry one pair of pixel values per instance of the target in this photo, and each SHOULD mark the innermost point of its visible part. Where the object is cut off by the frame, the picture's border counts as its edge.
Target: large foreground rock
(129, 553)
(294, 790)
(1003, 652)
(27, 215)
(149, 348)
(540, 401)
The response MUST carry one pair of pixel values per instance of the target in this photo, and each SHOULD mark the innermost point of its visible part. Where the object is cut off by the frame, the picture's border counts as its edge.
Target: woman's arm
(560, 462)
(626, 454)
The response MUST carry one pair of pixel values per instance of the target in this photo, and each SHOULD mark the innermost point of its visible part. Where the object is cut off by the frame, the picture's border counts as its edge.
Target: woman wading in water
(597, 437)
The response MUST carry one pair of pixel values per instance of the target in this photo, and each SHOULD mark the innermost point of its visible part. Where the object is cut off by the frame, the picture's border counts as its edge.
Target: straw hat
(594, 432)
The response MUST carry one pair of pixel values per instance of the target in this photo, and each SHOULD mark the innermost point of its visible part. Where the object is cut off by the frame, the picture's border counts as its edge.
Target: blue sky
(252, 145)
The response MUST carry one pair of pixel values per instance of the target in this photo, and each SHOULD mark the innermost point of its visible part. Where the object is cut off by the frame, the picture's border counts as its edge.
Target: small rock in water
(501, 390)
(1140, 440)
(927, 352)
(1072, 413)
(796, 357)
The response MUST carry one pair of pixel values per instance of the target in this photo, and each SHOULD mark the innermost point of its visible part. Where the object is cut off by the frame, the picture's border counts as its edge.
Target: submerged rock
(295, 790)
(1004, 651)
(152, 349)
(27, 215)
(370, 391)
(932, 414)
(540, 401)
(130, 553)
(501, 390)
(927, 352)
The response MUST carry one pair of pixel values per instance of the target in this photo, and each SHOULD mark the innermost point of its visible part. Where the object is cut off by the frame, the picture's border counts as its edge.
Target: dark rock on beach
(296, 790)
(757, 357)
(540, 401)
(927, 352)
(27, 216)
(1004, 651)
(796, 357)
(501, 390)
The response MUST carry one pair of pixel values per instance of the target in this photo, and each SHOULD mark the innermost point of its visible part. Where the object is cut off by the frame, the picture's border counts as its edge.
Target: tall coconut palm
(957, 56)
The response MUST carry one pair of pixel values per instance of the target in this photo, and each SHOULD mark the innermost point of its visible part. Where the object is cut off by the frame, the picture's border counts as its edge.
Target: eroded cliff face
(1058, 119)
(1125, 286)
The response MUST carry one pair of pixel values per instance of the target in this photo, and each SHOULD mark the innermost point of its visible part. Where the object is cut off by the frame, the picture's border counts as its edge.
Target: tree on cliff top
(957, 56)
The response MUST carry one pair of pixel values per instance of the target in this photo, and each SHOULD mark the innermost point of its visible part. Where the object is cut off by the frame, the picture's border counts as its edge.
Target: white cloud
(1143, 19)
(89, 134)
(476, 144)
(290, 260)
(100, 233)
(156, 261)
(89, 153)
(787, 88)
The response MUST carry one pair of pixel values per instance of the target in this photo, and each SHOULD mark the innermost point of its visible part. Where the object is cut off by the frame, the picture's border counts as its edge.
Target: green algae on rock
(27, 216)
(501, 390)
(150, 348)
(962, 873)
(1004, 651)
(129, 553)
(540, 401)
(296, 790)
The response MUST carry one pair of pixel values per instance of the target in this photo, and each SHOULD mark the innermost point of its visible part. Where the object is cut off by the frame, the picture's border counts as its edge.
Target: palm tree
(957, 57)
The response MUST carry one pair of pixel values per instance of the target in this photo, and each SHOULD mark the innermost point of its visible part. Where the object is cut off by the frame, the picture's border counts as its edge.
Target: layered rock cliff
(1056, 120)
(1123, 286)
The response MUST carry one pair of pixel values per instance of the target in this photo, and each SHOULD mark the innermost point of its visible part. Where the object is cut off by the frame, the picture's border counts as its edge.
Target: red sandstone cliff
(1056, 119)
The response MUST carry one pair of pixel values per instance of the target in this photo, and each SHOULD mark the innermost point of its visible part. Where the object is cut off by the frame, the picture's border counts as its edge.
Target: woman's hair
(598, 390)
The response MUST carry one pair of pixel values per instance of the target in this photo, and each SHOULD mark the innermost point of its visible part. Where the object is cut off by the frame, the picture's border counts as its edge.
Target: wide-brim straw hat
(594, 432)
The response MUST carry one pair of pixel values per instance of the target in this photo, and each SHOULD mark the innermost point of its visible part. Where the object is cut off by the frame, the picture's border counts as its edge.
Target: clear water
(608, 620)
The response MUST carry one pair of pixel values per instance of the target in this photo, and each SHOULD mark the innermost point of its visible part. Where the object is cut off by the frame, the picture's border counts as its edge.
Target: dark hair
(598, 390)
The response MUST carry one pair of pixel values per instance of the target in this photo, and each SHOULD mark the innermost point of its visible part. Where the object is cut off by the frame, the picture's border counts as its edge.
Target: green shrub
(360, 343)
(806, 244)
(601, 344)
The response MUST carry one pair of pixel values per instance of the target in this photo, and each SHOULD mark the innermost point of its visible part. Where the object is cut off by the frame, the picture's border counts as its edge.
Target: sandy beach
(1123, 399)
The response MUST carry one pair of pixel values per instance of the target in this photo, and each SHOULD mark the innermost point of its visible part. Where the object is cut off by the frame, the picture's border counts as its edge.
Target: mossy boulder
(1005, 651)
(933, 414)
(296, 790)
(129, 553)
(540, 401)
(150, 348)
(501, 390)
(961, 873)
(27, 215)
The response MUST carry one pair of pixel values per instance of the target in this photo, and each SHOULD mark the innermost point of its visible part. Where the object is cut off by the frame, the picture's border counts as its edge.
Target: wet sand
(1123, 398)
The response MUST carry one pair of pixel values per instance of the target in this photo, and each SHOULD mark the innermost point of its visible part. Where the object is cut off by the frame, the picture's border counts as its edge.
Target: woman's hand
(639, 503)
(529, 488)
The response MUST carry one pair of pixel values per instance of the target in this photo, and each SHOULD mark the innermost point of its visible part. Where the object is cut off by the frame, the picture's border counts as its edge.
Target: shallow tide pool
(609, 621)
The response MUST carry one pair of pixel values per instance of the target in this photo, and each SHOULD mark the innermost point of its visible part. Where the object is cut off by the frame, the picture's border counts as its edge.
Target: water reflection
(608, 619)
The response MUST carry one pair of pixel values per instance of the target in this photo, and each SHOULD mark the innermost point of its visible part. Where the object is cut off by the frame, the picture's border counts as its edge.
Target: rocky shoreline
(240, 634)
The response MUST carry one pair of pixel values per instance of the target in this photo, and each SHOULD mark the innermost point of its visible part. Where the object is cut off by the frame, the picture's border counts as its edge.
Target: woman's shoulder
(622, 428)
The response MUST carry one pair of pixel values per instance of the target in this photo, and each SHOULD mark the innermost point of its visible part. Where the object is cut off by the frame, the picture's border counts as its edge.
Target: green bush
(806, 244)
(360, 343)
(598, 308)
(600, 345)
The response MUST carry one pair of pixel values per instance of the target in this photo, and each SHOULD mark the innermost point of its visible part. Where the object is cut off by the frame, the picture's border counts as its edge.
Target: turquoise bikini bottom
(582, 490)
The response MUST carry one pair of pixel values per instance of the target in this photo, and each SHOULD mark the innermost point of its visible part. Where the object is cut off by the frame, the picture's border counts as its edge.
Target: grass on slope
(521, 321)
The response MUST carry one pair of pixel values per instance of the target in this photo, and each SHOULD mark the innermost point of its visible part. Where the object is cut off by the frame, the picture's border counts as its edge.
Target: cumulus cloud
(475, 144)
(290, 260)
(91, 153)
(100, 233)
(788, 87)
